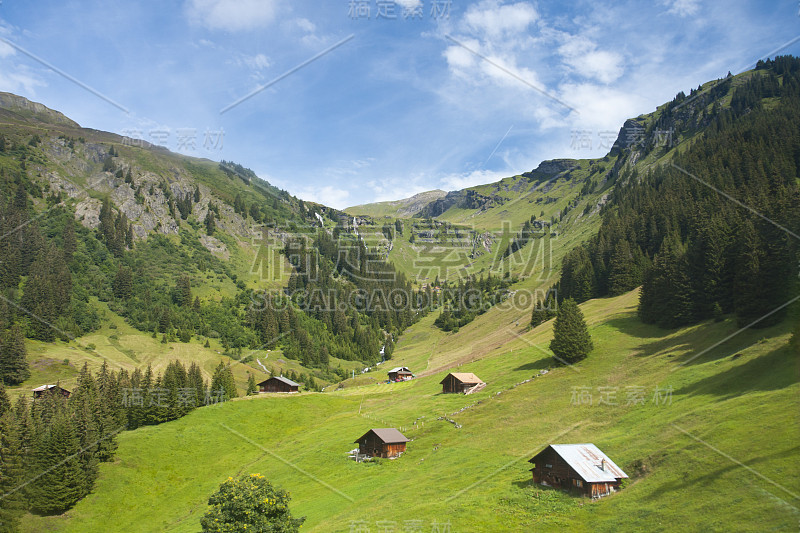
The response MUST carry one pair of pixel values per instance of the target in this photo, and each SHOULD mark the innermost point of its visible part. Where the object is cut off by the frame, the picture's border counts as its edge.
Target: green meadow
(707, 432)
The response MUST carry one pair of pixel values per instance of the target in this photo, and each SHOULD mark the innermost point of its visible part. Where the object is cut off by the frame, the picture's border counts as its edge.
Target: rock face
(144, 201)
(404, 208)
(551, 168)
(630, 134)
(26, 108)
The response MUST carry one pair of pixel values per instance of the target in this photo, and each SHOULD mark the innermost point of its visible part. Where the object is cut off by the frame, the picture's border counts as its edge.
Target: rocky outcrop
(24, 107)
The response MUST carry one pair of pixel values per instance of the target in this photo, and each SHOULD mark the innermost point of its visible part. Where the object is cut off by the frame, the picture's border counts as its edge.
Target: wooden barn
(401, 373)
(579, 468)
(461, 383)
(383, 442)
(38, 392)
(278, 384)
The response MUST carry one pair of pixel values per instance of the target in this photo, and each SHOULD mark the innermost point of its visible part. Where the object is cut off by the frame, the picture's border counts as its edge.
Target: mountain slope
(404, 208)
(476, 477)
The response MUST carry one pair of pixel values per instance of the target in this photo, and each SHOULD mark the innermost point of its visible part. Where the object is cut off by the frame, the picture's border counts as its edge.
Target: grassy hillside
(404, 208)
(719, 453)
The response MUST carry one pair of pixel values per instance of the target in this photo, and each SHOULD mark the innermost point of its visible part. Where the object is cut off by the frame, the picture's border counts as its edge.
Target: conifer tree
(251, 385)
(5, 403)
(61, 479)
(12, 473)
(211, 225)
(122, 285)
(571, 340)
(13, 361)
(84, 410)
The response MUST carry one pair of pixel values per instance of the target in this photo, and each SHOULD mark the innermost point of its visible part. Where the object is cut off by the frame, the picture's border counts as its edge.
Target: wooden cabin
(461, 383)
(278, 384)
(401, 373)
(38, 392)
(387, 443)
(578, 468)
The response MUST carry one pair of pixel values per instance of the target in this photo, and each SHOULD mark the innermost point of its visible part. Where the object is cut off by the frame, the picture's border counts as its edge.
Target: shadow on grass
(693, 340)
(539, 364)
(684, 483)
(772, 371)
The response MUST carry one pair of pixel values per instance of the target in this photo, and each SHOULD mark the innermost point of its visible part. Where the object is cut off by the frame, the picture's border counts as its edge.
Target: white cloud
(582, 55)
(256, 62)
(601, 108)
(232, 15)
(493, 19)
(409, 4)
(683, 8)
(306, 25)
(455, 182)
(19, 80)
(326, 195)
(6, 50)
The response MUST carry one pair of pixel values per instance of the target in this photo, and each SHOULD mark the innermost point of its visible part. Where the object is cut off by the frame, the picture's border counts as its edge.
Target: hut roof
(44, 388)
(387, 435)
(464, 377)
(282, 380)
(399, 369)
(588, 461)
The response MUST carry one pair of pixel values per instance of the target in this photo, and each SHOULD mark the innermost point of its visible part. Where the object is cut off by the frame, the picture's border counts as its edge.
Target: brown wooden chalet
(38, 392)
(278, 384)
(580, 468)
(383, 442)
(462, 383)
(401, 373)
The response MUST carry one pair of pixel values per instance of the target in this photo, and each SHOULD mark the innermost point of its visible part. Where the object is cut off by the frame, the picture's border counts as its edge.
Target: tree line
(676, 231)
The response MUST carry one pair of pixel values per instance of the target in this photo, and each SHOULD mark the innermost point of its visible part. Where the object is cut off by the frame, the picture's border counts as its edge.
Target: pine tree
(84, 408)
(571, 340)
(224, 381)
(183, 293)
(60, 479)
(194, 379)
(12, 473)
(5, 403)
(13, 362)
(251, 385)
(122, 285)
(70, 240)
(211, 225)
(622, 275)
(750, 299)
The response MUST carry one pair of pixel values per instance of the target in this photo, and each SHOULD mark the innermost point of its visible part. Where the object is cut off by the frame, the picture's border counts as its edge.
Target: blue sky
(418, 94)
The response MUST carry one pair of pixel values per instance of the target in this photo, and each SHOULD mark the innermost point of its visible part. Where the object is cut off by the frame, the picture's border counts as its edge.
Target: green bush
(249, 503)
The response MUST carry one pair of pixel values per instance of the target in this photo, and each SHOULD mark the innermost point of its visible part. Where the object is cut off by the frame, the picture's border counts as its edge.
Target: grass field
(709, 438)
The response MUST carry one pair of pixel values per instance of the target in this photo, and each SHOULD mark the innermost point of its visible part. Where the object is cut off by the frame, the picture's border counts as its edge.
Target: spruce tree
(60, 481)
(571, 340)
(211, 225)
(251, 385)
(13, 362)
(5, 403)
(12, 473)
(122, 285)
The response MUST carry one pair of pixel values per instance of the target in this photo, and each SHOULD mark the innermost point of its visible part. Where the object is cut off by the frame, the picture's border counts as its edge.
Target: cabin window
(548, 466)
(578, 483)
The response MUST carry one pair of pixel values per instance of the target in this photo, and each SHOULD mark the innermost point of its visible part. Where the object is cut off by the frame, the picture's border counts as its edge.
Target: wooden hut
(400, 373)
(38, 392)
(579, 468)
(278, 384)
(462, 383)
(383, 442)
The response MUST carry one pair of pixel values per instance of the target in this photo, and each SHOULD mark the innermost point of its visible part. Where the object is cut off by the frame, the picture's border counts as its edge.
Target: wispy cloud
(232, 15)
